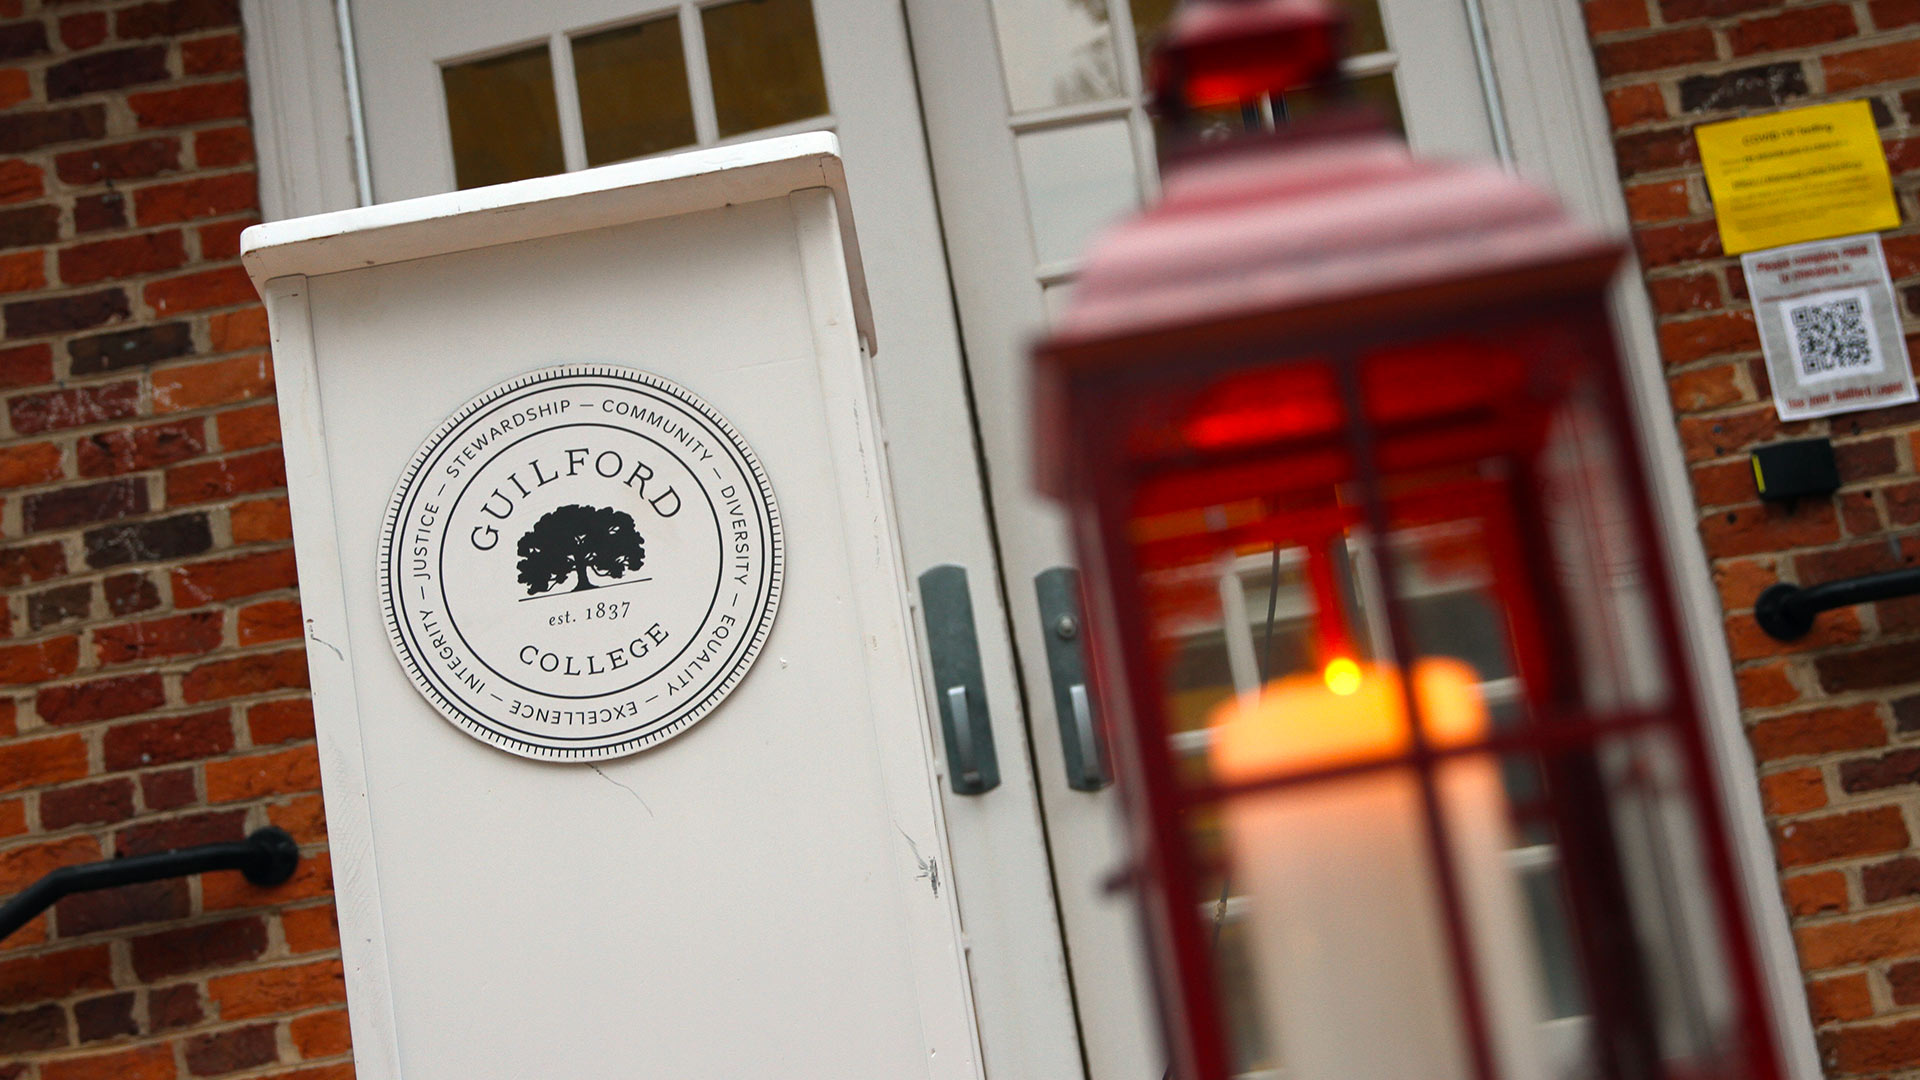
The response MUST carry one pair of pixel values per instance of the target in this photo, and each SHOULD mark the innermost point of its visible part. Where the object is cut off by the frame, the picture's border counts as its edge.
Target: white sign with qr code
(1829, 327)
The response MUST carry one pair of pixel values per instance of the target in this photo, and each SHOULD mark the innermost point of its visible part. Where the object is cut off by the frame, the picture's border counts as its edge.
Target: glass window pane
(1365, 32)
(1056, 52)
(1077, 179)
(765, 61)
(503, 118)
(633, 90)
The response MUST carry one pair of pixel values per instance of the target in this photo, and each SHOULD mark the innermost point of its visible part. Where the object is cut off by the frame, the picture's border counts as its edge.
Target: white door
(458, 93)
(1038, 134)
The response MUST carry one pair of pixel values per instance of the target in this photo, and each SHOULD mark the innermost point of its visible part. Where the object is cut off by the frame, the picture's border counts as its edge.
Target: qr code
(1832, 336)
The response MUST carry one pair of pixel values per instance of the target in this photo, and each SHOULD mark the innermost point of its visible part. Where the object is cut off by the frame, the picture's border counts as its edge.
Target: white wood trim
(343, 767)
(1557, 121)
(302, 127)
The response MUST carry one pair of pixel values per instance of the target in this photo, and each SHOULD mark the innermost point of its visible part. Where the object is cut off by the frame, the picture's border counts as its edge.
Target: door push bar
(267, 858)
(1787, 611)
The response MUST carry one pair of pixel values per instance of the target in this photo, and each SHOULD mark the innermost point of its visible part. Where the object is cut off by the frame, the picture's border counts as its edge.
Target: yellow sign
(1789, 177)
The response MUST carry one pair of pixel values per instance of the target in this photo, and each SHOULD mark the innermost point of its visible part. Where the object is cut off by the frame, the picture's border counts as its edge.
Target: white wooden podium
(622, 747)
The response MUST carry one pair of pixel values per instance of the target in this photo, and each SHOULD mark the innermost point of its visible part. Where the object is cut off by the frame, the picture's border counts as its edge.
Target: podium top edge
(545, 206)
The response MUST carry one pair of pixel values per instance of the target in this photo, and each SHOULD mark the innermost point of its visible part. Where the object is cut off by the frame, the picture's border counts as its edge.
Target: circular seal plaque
(580, 563)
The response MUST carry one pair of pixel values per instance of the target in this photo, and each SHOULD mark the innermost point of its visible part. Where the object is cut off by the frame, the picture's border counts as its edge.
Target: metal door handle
(966, 725)
(1082, 743)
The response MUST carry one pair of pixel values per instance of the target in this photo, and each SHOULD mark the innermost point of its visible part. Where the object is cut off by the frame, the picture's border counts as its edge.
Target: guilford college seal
(581, 563)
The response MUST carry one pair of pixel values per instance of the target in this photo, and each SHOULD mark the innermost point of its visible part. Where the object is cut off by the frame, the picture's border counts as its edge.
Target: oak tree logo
(573, 539)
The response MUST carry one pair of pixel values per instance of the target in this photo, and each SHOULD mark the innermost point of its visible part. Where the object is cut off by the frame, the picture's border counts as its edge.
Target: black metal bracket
(1787, 611)
(267, 858)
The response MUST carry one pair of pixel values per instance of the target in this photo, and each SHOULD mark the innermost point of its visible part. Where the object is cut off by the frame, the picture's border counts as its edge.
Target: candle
(1344, 915)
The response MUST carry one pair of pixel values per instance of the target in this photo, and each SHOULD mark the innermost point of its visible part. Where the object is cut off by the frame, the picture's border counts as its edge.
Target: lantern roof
(1303, 233)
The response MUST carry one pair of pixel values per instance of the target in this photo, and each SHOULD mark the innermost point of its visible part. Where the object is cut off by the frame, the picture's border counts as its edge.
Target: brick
(66, 507)
(1659, 200)
(1864, 67)
(274, 620)
(272, 991)
(26, 365)
(1845, 997)
(167, 740)
(241, 429)
(311, 929)
(201, 197)
(140, 1063)
(113, 69)
(221, 382)
(231, 1051)
(1896, 769)
(148, 541)
(100, 699)
(109, 1017)
(258, 521)
(138, 159)
(130, 593)
(128, 905)
(1708, 388)
(1795, 28)
(22, 866)
(1652, 52)
(174, 1007)
(127, 348)
(63, 603)
(1891, 14)
(241, 474)
(1609, 16)
(1870, 668)
(1866, 459)
(1822, 893)
(1852, 560)
(13, 817)
(1765, 687)
(311, 880)
(64, 314)
(245, 329)
(83, 31)
(1795, 791)
(97, 213)
(1757, 527)
(25, 464)
(180, 635)
(38, 661)
(1847, 835)
(221, 240)
(261, 775)
(1704, 438)
(1654, 151)
(202, 289)
(1681, 10)
(31, 562)
(1819, 731)
(50, 976)
(320, 1035)
(121, 257)
(53, 410)
(23, 271)
(199, 948)
(101, 803)
(40, 1028)
(230, 578)
(280, 721)
(1666, 245)
(1872, 1048)
(190, 104)
(1685, 341)
(1638, 104)
(1890, 880)
(223, 147)
(111, 453)
(29, 226)
(21, 132)
(20, 181)
(187, 831)
(172, 18)
(22, 39)
(169, 789)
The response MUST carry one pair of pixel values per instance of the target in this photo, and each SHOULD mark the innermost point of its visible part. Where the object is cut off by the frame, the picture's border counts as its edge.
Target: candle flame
(1343, 676)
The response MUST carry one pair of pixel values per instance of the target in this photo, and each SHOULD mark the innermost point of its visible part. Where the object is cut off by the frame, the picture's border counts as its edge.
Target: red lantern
(1416, 781)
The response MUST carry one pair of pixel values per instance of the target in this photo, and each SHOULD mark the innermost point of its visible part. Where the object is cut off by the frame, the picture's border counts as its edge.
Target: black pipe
(267, 858)
(1787, 611)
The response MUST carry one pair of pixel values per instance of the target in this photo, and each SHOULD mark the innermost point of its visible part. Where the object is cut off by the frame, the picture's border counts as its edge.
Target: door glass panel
(1056, 52)
(502, 118)
(765, 60)
(1077, 179)
(1366, 33)
(633, 90)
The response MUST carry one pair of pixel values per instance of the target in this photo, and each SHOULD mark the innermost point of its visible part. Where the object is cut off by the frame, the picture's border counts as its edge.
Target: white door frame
(1556, 121)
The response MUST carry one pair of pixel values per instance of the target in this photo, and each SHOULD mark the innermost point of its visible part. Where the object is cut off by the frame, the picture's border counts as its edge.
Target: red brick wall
(151, 676)
(1834, 720)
